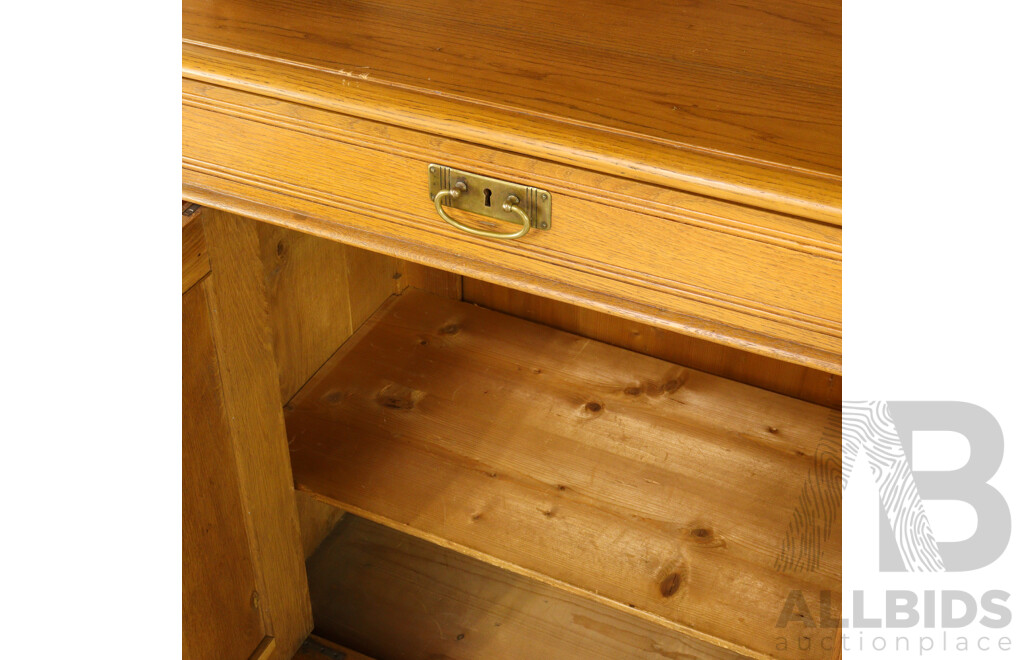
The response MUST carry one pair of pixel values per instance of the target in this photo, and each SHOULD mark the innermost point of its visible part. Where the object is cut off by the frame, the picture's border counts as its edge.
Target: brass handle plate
(523, 205)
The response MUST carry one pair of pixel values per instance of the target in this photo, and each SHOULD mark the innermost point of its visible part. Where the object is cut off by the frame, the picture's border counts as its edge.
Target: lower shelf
(685, 499)
(393, 596)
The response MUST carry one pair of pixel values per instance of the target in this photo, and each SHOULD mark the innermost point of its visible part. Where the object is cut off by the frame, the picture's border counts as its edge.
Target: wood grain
(588, 234)
(659, 490)
(252, 397)
(432, 280)
(393, 596)
(218, 577)
(734, 100)
(318, 291)
(195, 262)
(307, 289)
(371, 277)
(772, 287)
(783, 377)
(698, 210)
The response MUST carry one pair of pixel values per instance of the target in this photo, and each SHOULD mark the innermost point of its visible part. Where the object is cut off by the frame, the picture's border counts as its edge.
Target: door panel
(220, 617)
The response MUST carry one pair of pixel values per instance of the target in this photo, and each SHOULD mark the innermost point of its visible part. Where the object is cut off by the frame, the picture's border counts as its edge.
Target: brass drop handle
(509, 206)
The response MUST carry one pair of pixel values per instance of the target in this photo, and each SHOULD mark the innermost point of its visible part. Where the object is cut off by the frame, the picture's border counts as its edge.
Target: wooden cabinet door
(244, 592)
(220, 605)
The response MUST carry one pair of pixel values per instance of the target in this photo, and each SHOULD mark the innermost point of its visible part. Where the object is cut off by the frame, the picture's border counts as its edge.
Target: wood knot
(706, 537)
(331, 398)
(398, 397)
(633, 390)
(668, 386)
(281, 249)
(395, 402)
(670, 585)
(671, 385)
(450, 329)
(772, 429)
(594, 407)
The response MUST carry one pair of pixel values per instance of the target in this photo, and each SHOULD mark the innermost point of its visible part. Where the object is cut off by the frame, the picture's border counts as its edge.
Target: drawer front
(762, 282)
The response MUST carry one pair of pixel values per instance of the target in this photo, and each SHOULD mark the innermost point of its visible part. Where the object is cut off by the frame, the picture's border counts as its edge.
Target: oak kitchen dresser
(511, 330)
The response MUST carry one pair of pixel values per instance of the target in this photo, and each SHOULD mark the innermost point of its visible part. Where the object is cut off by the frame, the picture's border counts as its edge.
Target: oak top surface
(754, 85)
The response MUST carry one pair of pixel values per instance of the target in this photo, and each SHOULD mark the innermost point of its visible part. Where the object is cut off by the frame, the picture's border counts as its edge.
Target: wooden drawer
(750, 278)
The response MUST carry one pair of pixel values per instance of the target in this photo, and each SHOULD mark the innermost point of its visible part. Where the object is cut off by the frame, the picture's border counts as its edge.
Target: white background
(90, 462)
(90, 435)
(933, 267)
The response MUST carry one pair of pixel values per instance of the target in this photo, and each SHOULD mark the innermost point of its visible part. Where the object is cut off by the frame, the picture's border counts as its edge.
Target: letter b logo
(884, 432)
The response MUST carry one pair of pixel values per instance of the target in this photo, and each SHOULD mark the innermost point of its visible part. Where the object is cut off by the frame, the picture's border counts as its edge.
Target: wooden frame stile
(240, 325)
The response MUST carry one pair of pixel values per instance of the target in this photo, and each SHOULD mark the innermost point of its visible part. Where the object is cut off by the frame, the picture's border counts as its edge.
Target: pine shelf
(685, 499)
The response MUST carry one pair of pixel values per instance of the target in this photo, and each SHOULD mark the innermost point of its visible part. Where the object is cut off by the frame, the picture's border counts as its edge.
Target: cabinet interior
(513, 451)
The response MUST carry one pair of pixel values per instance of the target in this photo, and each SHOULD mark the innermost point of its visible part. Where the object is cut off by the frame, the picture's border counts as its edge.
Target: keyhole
(487, 196)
